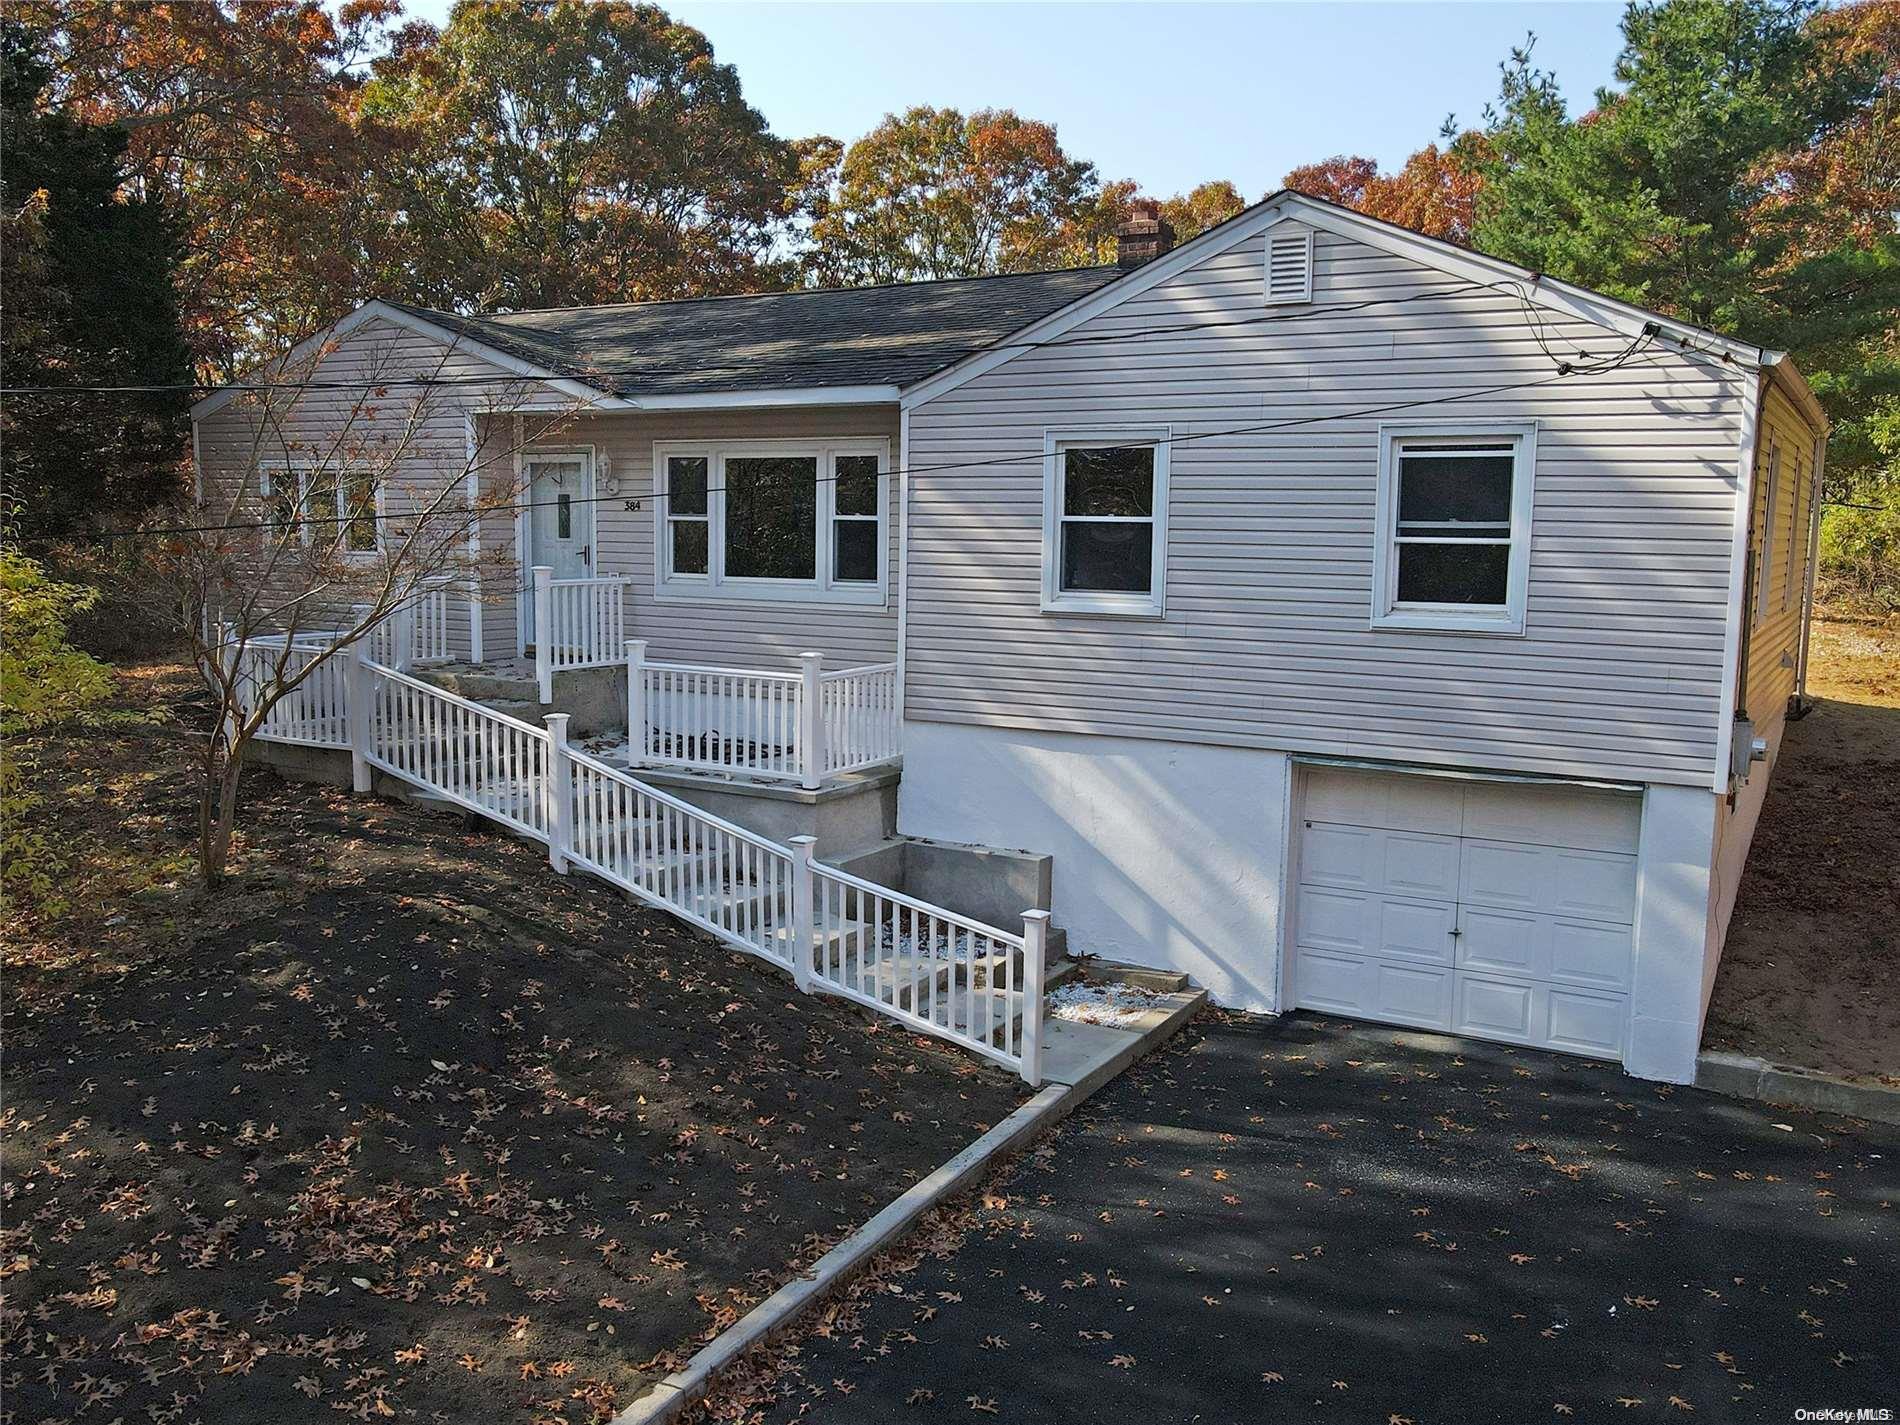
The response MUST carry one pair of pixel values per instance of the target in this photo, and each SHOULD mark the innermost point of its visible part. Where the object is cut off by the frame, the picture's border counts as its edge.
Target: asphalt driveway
(1304, 1219)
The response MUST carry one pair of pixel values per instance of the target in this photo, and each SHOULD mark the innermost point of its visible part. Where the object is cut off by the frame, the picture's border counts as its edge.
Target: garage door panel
(1550, 816)
(1395, 803)
(1499, 910)
(1342, 983)
(1504, 942)
(1413, 994)
(1336, 920)
(1497, 1008)
(1494, 873)
(1416, 930)
(1589, 885)
(1341, 855)
(1420, 865)
(1594, 886)
(1587, 1024)
(1589, 953)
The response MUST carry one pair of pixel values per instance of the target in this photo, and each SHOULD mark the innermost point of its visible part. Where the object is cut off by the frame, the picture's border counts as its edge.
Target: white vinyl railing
(415, 632)
(932, 970)
(794, 727)
(314, 711)
(936, 971)
(578, 623)
(706, 719)
(857, 708)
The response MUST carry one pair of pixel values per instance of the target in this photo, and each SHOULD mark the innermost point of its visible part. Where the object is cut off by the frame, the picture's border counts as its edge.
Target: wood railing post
(357, 695)
(636, 702)
(803, 933)
(811, 719)
(544, 631)
(559, 793)
(1035, 950)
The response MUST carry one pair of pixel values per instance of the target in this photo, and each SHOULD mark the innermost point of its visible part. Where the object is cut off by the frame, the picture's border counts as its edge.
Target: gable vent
(1290, 266)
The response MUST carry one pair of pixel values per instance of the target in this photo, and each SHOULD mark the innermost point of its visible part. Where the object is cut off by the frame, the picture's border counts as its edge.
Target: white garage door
(1496, 909)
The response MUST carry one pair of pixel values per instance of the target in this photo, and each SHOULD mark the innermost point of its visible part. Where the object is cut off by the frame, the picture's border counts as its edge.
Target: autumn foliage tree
(1435, 191)
(935, 193)
(559, 153)
(240, 116)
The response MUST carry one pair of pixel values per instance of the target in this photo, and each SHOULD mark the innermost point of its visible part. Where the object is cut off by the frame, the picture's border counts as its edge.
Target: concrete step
(526, 709)
(481, 684)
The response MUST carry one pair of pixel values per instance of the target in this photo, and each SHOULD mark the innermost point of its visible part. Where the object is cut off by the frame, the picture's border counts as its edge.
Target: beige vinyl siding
(1775, 639)
(1265, 639)
(729, 632)
(348, 404)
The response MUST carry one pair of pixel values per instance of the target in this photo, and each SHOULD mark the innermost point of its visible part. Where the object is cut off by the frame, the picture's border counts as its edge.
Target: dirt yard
(400, 1124)
(1811, 972)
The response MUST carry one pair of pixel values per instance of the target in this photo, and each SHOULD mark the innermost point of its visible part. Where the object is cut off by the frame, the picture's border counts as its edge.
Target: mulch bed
(1810, 974)
(399, 1123)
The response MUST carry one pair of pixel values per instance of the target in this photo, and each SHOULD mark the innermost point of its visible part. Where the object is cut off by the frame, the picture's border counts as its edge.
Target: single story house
(1355, 622)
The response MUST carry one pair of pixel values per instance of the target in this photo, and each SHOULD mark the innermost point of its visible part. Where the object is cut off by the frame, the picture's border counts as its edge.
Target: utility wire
(1011, 460)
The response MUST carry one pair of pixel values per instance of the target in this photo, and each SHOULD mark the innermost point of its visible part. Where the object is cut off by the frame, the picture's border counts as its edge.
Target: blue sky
(1166, 94)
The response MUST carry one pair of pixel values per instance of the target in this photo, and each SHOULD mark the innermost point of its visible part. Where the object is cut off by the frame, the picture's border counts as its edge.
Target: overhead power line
(1258, 428)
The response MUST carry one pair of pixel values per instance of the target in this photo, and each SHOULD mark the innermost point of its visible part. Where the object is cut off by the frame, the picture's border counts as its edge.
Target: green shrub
(43, 678)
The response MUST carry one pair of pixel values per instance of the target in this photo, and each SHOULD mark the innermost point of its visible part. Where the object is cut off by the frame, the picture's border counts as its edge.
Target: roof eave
(412, 320)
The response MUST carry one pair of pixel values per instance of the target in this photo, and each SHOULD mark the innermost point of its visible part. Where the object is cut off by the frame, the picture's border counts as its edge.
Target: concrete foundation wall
(1165, 854)
(1675, 950)
(856, 811)
(1734, 834)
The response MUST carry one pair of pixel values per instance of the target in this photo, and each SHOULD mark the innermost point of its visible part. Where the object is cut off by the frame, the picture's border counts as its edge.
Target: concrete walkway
(1303, 1219)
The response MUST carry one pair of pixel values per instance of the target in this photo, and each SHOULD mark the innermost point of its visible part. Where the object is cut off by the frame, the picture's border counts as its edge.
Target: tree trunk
(217, 812)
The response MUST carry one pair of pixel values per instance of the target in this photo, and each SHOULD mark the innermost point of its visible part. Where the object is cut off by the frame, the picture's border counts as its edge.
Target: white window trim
(714, 585)
(1387, 612)
(269, 472)
(1055, 599)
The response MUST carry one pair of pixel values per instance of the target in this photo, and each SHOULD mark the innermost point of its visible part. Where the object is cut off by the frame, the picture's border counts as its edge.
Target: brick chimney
(1144, 236)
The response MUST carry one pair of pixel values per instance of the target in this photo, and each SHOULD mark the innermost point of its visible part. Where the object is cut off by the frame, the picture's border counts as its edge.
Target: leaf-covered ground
(1810, 972)
(401, 1124)
(1308, 1220)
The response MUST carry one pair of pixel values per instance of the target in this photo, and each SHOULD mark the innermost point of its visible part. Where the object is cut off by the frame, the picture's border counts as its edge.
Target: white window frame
(1506, 619)
(1765, 561)
(715, 584)
(269, 472)
(1056, 599)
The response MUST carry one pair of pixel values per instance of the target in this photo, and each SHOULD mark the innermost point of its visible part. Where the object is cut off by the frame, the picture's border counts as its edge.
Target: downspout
(1732, 724)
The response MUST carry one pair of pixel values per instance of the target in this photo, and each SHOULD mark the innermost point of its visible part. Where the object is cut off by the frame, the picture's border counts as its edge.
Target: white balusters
(578, 623)
(934, 971)
(798, 727)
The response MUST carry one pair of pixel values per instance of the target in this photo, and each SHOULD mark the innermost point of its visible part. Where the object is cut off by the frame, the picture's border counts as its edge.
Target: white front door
(1500, 910)
(560, 514)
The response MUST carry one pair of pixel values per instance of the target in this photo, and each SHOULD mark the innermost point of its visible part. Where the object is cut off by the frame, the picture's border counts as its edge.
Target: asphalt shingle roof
(862, 336)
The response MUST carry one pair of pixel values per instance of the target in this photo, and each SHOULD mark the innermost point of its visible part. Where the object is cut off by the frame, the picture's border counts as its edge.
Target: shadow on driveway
(1301, 1218)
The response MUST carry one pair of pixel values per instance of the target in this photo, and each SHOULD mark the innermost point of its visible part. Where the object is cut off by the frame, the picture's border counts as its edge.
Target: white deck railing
(932, 970)
(793, 727)
(415, 632)
(938, 972)
(858, 711)
(314, 712)
(578, 623)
